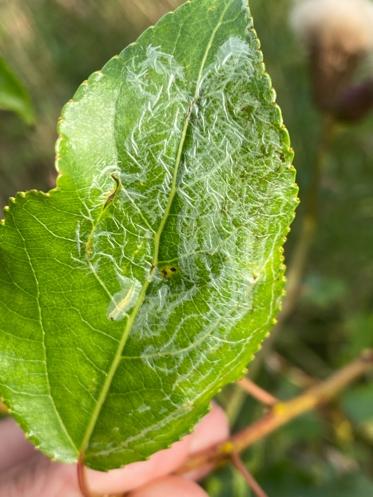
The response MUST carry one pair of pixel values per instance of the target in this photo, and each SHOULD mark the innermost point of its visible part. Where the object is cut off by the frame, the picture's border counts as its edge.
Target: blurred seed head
(338, 34)
(354, 102)
(342, 24)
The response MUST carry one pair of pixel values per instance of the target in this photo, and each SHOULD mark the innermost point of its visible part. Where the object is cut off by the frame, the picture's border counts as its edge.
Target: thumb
(39, 477)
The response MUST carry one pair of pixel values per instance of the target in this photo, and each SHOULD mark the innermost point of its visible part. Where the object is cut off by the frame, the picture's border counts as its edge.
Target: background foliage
(52, 46)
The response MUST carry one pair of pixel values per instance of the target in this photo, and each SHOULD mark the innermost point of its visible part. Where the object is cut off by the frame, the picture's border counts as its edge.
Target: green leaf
(13, 96)
(357, 335)
(148, 278)
(358, 405)
(226, 482)
(322, 291)
(350, 485)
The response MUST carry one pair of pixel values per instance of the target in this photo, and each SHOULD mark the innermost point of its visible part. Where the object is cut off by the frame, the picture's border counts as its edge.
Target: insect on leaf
(146, 281)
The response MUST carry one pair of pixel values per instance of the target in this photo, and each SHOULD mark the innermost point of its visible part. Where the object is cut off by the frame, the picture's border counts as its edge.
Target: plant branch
(281, 366)
(257, 392)
(281, 414)
(250, 480)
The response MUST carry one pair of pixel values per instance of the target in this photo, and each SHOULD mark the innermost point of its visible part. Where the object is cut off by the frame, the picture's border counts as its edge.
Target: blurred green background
(53, 45)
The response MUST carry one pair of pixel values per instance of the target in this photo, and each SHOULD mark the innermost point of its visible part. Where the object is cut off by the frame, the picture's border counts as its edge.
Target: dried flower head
(348, 23)
(338, 33)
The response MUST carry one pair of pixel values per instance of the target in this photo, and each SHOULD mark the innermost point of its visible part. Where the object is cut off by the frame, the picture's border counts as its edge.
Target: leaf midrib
(157, 239)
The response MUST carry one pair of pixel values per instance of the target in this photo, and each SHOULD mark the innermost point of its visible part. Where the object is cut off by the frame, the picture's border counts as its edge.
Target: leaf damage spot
(169, 272)
(124, 300)
(113, 194)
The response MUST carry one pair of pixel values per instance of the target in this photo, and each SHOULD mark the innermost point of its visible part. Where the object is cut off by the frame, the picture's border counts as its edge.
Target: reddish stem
(257, 392)
(250, 480)
(82, 480)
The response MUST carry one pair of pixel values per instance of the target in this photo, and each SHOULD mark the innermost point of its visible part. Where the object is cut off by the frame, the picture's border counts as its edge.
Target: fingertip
(212, 429)
(170, 487)
(168, 460)
(138, 474)
(14, 446)
(120, 480)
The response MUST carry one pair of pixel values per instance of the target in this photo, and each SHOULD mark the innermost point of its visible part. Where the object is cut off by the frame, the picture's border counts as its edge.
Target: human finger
(15, 449)
(138, 474)
(170, 486)
(211, 429)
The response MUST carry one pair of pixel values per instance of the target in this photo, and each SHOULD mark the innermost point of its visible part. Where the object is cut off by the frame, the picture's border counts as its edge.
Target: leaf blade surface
(147, 280)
